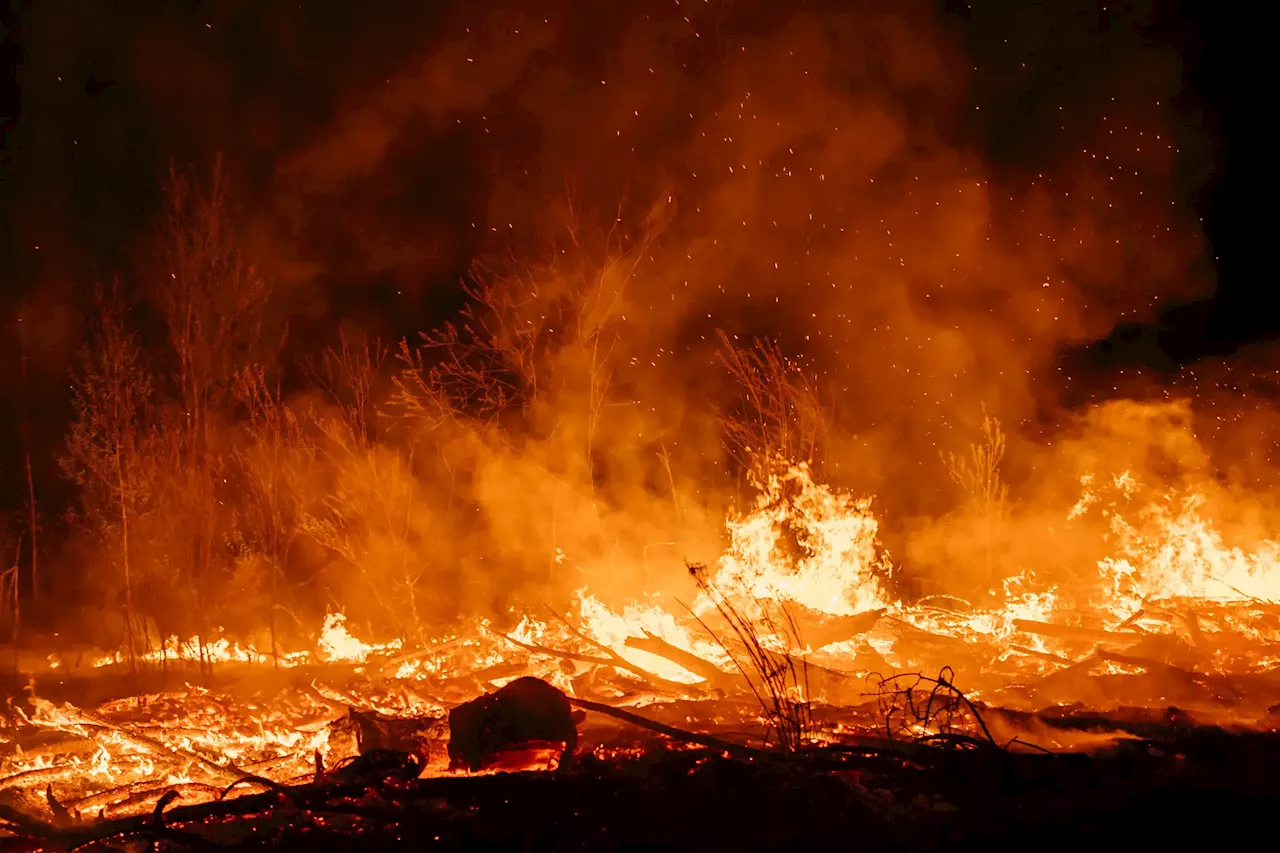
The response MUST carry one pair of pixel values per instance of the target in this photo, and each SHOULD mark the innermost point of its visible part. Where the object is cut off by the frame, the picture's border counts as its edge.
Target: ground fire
(791, 647)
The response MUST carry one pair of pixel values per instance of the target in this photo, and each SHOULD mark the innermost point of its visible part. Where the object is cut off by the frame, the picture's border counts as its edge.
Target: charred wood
(524, 711)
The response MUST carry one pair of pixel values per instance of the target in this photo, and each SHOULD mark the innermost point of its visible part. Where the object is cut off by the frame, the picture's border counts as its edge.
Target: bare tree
(370, 515)
(32, 528)
(106, 447)
(532, 358)
(276, 463)
(532, 332)
(10, 602)
(349, 374)
(213, 303)
(479, 366)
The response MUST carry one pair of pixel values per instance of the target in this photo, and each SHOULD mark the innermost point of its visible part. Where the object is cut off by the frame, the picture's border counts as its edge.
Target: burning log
(1045, 656)
(525, 711)
(735, 749)
(714, 676)
(557, 653)
(1216, 689)
(819, 630)
(1071, 632)
(618, 661)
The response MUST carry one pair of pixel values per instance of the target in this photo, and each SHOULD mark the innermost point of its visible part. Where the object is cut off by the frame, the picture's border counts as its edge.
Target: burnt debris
(525, 712)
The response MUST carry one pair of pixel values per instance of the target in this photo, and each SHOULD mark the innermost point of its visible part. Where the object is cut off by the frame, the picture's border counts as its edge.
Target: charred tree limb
(557, 653)
(734, 749)
(1071, 632)
(618, 661)
(714, 676)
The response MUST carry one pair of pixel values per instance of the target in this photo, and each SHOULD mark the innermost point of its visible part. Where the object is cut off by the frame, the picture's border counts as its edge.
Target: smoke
(922, 218)
(827, 181)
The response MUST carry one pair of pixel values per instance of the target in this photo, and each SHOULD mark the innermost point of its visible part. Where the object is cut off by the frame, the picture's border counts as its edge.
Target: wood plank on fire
(1074, 632)
(715, 676)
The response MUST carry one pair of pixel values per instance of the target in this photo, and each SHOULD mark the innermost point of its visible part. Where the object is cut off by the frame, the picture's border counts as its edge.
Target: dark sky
(1226, 71)
(369, 170)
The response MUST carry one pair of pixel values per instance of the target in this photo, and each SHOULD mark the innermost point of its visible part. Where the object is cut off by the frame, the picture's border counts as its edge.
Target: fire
(638, 620)
(804, 543)
(801, 546)
(336, 643)
(1171, 551)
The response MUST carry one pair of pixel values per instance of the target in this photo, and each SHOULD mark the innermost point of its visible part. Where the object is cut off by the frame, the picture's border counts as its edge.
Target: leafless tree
(371, 512)
(33, 532)
(213, 302)
(10, 601)
(349, 375)
(276, 462)
(107, 444)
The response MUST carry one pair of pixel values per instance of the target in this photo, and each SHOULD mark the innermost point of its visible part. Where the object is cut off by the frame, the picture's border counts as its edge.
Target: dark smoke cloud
(924, 208)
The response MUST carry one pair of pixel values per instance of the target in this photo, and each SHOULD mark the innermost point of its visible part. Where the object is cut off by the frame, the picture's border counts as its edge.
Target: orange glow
(1167, 558)
(720, 449)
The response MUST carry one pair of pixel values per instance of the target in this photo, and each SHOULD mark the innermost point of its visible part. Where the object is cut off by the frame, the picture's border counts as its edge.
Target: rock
(525, 712)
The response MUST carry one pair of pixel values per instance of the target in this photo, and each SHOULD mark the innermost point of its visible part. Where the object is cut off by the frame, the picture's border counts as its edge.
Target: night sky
(370, 170)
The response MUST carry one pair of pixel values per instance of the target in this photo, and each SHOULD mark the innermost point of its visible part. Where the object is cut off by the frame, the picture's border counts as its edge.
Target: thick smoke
(844, 182)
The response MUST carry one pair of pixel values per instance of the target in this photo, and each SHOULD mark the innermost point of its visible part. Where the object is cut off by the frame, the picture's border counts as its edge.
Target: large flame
(805, 543)
(801, 545)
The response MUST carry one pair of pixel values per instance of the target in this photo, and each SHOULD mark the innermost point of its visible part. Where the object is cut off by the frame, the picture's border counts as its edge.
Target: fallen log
(378, 732)
(1046, 656)
(619, 662)
(714, 675)
(818, 629)
(735, 749)
(1073, 632)
(557, 653)
(1195, 683)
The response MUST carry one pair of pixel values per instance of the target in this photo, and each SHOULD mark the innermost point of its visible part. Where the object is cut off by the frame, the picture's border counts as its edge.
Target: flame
(638, 620)
(1170, 550)
(804, 543)
(800, 544)
(336, 643)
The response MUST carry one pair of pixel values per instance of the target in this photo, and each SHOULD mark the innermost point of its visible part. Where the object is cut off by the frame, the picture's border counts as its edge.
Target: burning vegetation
(759, 475)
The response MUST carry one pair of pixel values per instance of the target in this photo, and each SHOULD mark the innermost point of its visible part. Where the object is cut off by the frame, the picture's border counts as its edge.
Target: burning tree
(373, 517)
(212, 301)
(276, 462)
(108, 446)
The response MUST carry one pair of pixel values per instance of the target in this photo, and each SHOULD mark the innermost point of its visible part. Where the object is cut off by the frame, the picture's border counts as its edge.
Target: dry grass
(780, 685)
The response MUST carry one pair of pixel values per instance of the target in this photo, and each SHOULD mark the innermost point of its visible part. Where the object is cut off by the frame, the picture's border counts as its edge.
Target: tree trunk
(31, 485)
(124, 556)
